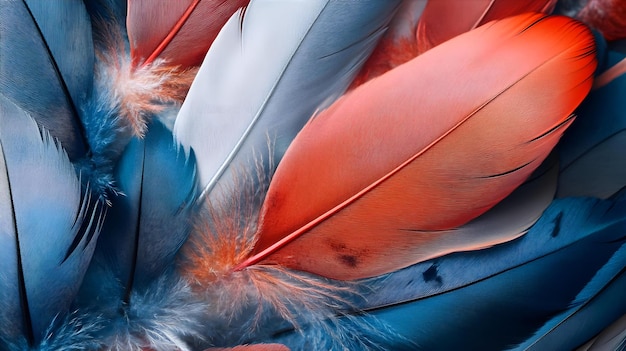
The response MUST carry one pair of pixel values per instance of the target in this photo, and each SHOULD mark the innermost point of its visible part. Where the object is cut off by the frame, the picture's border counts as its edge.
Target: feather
(38, 70)
(48, 231)
(611, 338)
(300, 54)
(444, 19)
(516, 292)
(147, 226)
(179, 32)
(392, 181)
(397, 46)
(607, 16)
(591, 152)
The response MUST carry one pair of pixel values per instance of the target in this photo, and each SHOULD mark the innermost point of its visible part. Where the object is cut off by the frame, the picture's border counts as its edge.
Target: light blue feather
(43, 72)
(47, 230)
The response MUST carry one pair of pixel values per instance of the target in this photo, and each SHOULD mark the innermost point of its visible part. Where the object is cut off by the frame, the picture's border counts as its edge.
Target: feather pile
(318, 175)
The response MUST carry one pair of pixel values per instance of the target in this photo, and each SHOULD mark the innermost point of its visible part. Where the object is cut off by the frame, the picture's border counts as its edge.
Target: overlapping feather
(47, 231)
(430, 178)
(131, 278)
(268, 70)
(34, 49)
(442, 20)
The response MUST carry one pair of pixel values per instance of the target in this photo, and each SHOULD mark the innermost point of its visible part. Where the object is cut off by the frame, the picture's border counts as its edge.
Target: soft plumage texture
(122, 103)
(266, 73)
(48, 231)
(444, 19)
(149, 223)
(253, 305)
(519, 294)
(37, 70)
(591, 152)
(163, 316)
(397, 46)
(389, 182)
(178, 32)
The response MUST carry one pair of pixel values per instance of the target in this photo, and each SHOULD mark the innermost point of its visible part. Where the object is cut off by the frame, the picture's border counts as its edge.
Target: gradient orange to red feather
(423, 149)
(179, 32)
(445, 19)
(607, 16)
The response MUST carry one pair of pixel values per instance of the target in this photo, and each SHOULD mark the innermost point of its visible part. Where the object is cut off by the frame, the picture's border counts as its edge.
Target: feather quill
(47, 230)
(381, 173)
(179, 32)
(34, 49)
(444, 19)
(300, 55)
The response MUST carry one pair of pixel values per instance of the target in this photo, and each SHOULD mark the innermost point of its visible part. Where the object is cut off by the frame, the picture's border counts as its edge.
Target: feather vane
(357, 163)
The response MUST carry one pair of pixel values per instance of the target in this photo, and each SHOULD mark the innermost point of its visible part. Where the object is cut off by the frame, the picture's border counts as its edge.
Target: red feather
(180, 32)
(445, 19)
(607, 16)
(424, 148)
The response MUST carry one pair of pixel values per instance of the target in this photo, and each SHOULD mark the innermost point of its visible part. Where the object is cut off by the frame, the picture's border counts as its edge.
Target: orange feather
(179, 32)
(445, 19)
(424, 148)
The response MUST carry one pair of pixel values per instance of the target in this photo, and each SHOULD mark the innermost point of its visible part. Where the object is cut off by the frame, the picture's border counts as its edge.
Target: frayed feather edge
(164, 316)
(252, 305)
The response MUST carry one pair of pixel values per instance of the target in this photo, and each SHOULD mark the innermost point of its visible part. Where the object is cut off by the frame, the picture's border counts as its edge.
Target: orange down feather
(424, 148)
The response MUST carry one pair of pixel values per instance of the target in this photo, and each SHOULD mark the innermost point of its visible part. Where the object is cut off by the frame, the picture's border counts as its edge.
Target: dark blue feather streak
(514, 294)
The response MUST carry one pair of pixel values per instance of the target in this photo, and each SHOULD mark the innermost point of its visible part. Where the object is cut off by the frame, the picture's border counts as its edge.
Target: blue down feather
(43, 72)
(47, 233)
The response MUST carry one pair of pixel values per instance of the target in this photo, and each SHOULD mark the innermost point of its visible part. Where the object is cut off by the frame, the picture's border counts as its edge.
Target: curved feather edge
(301, 55)
(49, 230)
(591, 151)
(33, 52)
(443, 19)
(306, 240)
(513, 290)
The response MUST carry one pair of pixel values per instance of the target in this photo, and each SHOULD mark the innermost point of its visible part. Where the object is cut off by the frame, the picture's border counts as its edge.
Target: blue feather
(507, 295)
(48, 231)
(43, 72)
(592, 149)
(146, 226)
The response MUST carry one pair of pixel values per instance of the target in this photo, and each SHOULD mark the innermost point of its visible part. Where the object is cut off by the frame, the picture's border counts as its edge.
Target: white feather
(270, 68)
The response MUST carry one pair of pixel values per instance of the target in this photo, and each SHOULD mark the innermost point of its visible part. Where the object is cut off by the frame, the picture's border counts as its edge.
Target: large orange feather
(445, 19)
(424, 148)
